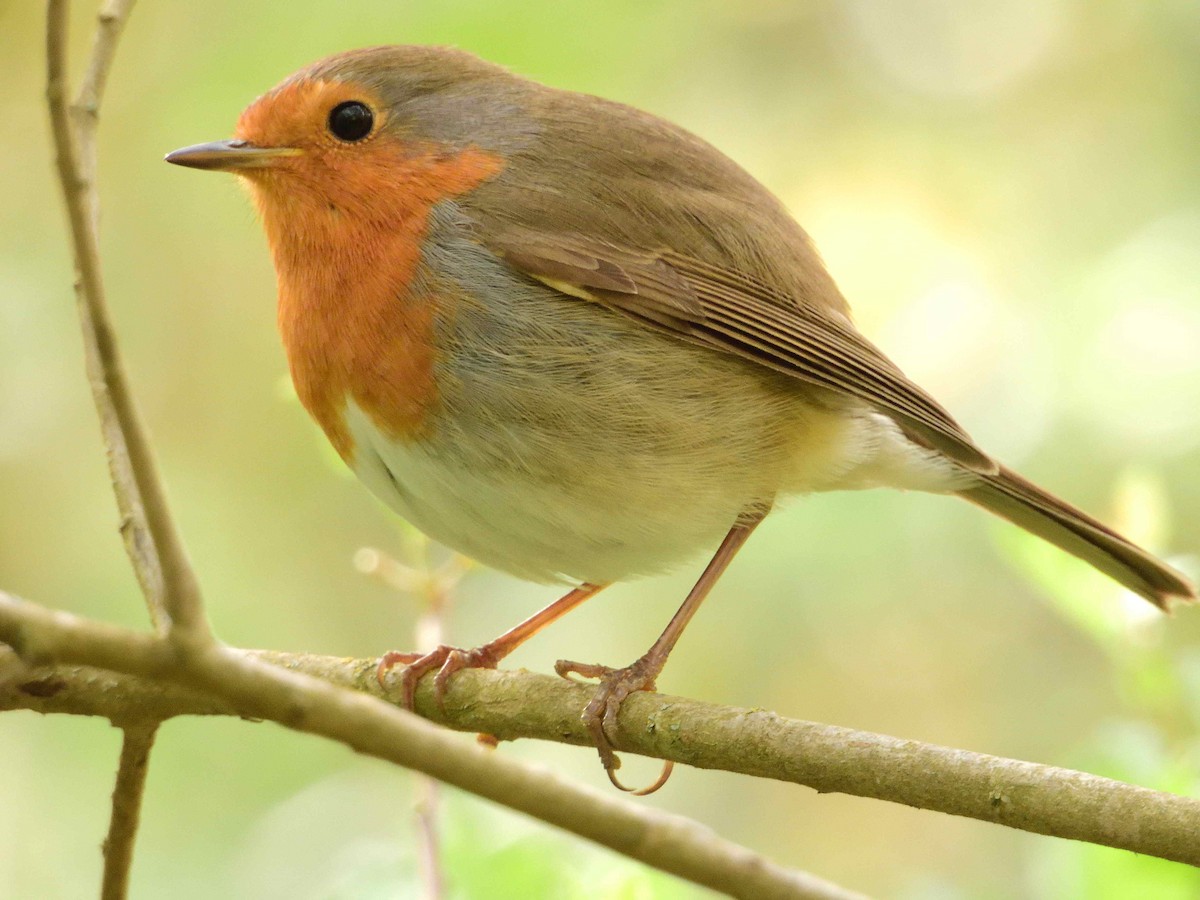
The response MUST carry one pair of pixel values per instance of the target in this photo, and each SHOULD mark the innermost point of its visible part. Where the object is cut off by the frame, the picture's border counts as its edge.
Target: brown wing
(734, 313)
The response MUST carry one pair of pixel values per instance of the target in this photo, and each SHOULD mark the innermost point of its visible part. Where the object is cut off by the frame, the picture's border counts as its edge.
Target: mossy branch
(510, 705)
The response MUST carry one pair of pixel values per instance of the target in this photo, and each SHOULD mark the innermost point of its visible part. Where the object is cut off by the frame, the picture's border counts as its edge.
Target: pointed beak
(229, 156)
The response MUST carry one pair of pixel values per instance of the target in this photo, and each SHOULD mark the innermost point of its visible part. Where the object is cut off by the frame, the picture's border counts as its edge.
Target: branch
(136, 744)
(248, 686)
(159, 562)
(1042, 799)
(152, 542)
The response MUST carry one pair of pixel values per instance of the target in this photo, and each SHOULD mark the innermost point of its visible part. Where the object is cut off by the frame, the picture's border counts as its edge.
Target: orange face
(345, 203)
(356, 173)
(333, 154)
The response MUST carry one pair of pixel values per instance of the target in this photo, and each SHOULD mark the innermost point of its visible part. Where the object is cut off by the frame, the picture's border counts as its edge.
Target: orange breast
(346, 235)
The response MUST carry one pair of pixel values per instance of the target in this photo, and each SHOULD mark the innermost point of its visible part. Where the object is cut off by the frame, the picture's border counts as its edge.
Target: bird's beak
(229, 156)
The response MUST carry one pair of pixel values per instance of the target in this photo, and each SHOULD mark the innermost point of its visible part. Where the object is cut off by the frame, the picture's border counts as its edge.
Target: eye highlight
(351, 121)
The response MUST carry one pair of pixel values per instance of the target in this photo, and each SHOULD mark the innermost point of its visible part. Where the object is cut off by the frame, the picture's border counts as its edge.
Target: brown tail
(1023, 503)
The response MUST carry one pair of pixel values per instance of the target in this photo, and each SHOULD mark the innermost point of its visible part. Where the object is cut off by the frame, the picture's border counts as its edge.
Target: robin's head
(352, 132)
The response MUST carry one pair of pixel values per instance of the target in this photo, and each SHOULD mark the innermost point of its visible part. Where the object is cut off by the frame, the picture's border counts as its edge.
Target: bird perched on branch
(576, 342)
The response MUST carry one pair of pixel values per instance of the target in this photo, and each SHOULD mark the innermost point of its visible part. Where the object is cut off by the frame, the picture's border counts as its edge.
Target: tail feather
(1023, 503)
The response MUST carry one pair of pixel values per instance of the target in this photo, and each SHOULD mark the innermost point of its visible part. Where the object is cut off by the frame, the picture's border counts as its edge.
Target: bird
(577, 343)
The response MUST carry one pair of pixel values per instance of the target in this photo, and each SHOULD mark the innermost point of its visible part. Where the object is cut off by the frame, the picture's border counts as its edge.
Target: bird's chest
(356, 333)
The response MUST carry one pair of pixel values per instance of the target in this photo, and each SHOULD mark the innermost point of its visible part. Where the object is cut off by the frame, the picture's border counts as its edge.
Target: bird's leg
(600, 716)
(448, 660)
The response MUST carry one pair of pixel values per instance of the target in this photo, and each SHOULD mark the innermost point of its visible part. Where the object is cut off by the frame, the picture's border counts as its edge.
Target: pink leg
(448, 660)
(600, 716)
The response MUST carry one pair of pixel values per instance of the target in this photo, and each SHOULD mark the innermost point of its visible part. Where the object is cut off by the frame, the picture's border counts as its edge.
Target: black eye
(351, 121)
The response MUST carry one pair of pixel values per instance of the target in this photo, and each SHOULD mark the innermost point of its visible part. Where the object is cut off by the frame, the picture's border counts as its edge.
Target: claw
(599, 717)
(389, 661)
(567, 669)
(456, 661)
(447, 660)
(668, 767)
(617, 684)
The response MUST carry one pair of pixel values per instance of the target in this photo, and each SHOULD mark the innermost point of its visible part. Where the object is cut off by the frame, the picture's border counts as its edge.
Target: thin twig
(110, 23)
(428, 632)
(433, 588)
(159, 562)
(136, 743)
(1042, 799)
(253, 688)
(152, 541)
(429, 849)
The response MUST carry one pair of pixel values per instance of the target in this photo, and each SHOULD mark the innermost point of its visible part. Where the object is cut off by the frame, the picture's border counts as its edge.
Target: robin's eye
(351, 121)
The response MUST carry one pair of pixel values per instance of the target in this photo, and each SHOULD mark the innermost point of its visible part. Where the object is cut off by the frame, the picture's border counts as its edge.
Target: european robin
(576, 342)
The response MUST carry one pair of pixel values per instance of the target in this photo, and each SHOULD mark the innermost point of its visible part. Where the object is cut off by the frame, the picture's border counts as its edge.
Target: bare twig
(155, 550)
(429, 632)
(110, 23)
(1042, 799)
(159, 562)
(433, 590)
(429, 853)
(253, 688)
(136, 743)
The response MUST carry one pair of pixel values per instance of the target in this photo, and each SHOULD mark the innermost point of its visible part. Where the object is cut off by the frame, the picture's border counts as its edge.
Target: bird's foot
(600, 716)
(447, 660)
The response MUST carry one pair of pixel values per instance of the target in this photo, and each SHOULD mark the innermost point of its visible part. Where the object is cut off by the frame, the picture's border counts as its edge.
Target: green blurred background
(1008, 193)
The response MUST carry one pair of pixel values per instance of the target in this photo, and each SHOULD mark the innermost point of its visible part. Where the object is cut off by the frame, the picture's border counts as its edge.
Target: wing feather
(732, 312)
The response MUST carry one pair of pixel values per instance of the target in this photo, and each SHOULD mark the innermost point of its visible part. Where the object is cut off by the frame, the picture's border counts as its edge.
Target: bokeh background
(1008, 192)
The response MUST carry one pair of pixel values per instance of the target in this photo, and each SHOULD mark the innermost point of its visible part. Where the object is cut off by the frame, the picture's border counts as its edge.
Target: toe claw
(599, 717)
(408, 685)
(416, 665)
(445, 659)
(455, 660)
(564, 668)
(389, 661)
(668, 767)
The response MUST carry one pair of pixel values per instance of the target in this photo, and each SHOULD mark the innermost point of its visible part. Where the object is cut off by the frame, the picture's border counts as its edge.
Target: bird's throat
(353, 325)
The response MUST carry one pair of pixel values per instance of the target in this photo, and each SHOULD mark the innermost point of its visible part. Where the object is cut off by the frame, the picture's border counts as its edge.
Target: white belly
(531, 524)
(586, 503)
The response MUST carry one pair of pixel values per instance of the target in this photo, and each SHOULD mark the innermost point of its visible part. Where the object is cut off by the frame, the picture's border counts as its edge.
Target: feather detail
(732, 312)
